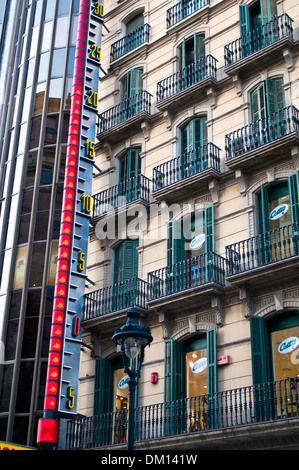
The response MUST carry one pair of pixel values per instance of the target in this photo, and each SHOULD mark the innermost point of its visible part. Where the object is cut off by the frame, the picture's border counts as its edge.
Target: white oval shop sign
(288, 345)
(278, 211)
(199, 365)
(123, 383)
(197, 242)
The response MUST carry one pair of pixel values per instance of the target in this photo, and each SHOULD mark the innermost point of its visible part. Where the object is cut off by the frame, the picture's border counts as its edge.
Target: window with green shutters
(192, 51)
(270, 365)
(267, 115)
(132, 83)
(256, 18)
(194, 134)
(256, 15)
(103, 388)
(125, 285)
(129, 175)
(175, 386)
(126, 261)
(193, 142)
(130, 165)
(176, 243)
(134, 23)
(279, 231)
(267, 98)
(293, 182)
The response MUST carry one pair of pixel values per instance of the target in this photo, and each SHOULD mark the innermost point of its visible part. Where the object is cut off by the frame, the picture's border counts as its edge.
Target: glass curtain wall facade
(37, 45)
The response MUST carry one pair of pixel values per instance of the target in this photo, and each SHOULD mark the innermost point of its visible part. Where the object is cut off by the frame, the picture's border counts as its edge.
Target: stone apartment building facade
(194, 222)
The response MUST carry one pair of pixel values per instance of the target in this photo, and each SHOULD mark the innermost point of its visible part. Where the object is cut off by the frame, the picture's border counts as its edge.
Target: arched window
(275, 364)
(132, 83)
(130, 165)
(134, 23)
(126, 261)
(267, 98)
(194, 134)
(192, 50)
(278, 206)
(191, 374)
(198, 225)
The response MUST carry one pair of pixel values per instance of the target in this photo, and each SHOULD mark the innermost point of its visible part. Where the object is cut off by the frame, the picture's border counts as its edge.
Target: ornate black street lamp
(132, 339)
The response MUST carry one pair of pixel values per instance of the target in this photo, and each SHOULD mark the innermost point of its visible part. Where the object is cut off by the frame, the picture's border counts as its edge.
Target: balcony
(125, 116)
(187, 283)
(184, 175)
(266, 258)
(275, 134)
(115, 298)
(259, 47)
(115, 197)
(180, 88)
(182, 10)
(130, 42)
(251, 414)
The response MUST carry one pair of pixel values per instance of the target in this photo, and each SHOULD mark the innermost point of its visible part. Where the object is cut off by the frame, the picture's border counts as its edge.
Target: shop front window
(196, 370)
(122, 390)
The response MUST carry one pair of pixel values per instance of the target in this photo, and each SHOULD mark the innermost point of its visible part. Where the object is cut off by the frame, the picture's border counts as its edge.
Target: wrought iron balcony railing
(133, 189)
(278, 28)
(242, 406)
(130, 42)
(263, 131)
(264, 249)
(182, 10)
(126, 109)
(187, 77)
(186, 165)
(130, 293)
(187, 274)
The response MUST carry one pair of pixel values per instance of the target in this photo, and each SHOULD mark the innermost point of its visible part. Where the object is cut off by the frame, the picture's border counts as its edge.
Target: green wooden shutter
(199, 132)
(209, 229)
(135, 82)
(258, 103)
(134, 23)
(132, 83)
(175, 242)
(212, 360)
(212, 378)
(103, 387)
(268, 10)
(258, 350)
(244, 19)
(264, 211)
(126, 261)
(294, 203)
(199, 42)
(173, 370)
(134, 163)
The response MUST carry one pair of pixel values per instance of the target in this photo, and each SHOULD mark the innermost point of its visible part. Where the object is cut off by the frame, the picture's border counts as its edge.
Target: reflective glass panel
(58, 62)
(61, 32)
(37, 264)
(43, 67)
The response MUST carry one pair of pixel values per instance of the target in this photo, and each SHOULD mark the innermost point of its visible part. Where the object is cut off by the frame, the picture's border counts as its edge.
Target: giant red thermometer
(65, 328)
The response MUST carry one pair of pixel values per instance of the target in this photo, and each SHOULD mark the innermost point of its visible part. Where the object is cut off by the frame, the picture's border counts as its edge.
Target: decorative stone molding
(145, 127)
(241, 178)
(214, 190)
(216, 304)
(295, 156)
(246, 301)
(285, 299)
(288, 57)
(194, 323)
